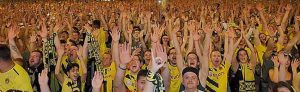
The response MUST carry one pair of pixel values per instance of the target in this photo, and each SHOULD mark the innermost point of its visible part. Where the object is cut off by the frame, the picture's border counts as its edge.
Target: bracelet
(121, 67)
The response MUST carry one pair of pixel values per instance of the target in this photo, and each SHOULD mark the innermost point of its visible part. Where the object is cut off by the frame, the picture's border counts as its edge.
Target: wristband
(122, 68)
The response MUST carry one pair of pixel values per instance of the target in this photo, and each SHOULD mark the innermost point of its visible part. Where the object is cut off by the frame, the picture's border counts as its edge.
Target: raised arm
(179, 58)
(295, 39)
(15, 53)
(60, 52)
(43, 81)
(158, 61)
(203, 73)
(124, 60)
(97, 81)
(253, 57)
(295, 64)
(273, 74)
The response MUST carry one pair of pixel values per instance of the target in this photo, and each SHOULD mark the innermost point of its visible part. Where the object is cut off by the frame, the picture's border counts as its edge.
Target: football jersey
(16, 78)
(175, 78)
(217, 77)
(109, 75)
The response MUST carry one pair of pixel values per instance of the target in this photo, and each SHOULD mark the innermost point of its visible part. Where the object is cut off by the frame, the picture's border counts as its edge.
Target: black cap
(190, 69)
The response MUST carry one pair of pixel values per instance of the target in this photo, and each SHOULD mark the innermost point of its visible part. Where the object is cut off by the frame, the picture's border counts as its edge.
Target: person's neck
(6, 66)
(191, 90)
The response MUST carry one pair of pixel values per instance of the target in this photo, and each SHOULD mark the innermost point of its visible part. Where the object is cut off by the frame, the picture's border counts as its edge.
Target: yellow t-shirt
(70, 86)
(217, 78)
(175, 78)
(101, 38)
(109, 75)
(15, 79)
(144, 67)
(130, 80)
(260, 52)
(279, 47)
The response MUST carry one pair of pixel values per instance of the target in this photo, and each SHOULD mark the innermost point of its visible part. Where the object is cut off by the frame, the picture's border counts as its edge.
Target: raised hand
(231, 33)
(129, 29)
(259, 7)
(57, 26)
(196, 35)
(115, 34)
(125, 56)
(43, 77)
(97, 80)
(208, 29)
(159, 60)
(295, 63)
(191, 25)
(275, 61)
(13, 32)
(155, 34)
(43, 33)
(88, 28)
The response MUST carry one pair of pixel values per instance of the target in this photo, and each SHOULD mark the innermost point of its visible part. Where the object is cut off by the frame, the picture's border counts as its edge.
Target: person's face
(34, 59)
(283, 89)
(192, 60)
(147, 57)
(165, 39)
(134, 64)
(64, 36)
(172, 56)
(73, 51)
(243, 56)
(136, 34)
(106, 60)
(74, 73)
(180, 40)
(263, 38)
(190, 80)
(75, 36)
(141, 83)
(216, 58)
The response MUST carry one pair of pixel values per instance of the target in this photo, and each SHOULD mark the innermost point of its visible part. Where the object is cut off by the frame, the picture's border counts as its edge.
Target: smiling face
(73, 73)
(242, 56)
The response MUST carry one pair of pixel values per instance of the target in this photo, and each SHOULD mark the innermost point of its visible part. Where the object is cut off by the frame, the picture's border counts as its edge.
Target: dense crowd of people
(150, 46)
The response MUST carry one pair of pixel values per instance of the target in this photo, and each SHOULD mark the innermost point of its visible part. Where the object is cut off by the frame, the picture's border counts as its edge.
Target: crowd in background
(150, 46)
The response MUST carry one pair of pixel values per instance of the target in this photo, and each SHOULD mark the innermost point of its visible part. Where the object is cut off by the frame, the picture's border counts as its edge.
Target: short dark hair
(96, 23)
(283, 84)
(71, 65)
(38, 51)
(190, 69)
(142, 73)
(5, 52)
